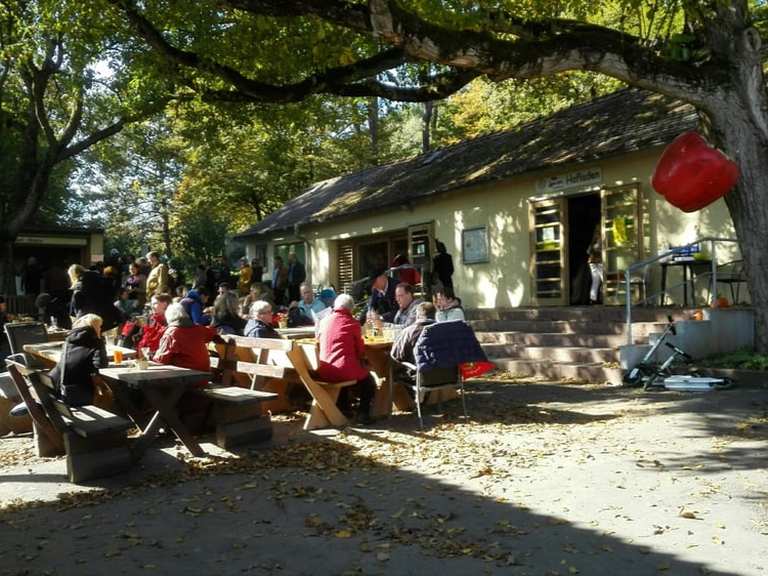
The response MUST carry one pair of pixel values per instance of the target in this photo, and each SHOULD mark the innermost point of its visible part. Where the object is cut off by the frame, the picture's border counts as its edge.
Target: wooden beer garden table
(50, 352)
(162, 386)
(297, 333)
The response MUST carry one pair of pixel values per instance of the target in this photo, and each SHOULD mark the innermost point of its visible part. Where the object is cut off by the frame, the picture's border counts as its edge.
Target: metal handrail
(664, 255)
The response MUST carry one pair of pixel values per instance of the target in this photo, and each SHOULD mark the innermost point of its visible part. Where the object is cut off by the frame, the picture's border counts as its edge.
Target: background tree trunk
(373, 128)
(426, 126)
(7, 271)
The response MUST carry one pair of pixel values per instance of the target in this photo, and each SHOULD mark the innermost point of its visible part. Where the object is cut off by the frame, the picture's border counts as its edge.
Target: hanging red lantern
(691, 174)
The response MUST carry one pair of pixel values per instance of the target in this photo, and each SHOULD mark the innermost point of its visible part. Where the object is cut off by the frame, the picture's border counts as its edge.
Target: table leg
(124, 400)
(165, 402)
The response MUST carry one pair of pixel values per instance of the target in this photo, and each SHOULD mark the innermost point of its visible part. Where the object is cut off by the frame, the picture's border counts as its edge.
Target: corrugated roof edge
(272, 222)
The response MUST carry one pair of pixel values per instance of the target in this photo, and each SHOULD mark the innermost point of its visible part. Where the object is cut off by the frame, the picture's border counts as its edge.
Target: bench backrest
(21, 333)
(245, 361)
(23, 378)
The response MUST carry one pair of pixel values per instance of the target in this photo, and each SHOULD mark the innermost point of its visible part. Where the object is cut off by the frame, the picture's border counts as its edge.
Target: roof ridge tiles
(585, 132)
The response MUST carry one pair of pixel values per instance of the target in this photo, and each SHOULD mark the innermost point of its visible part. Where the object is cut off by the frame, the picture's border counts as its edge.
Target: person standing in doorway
(442, 265)
(595, 261)
(279, 281)
(296, 276)
(30, 280)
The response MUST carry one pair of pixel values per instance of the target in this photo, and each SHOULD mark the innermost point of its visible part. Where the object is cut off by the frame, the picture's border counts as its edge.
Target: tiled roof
(625, 121)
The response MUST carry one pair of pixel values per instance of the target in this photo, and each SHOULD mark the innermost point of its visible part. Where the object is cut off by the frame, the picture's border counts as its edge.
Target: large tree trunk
(736, 129)
(739, 124)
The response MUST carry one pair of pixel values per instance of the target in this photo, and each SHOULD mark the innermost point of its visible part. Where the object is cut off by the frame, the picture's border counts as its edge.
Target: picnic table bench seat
(94, 440)
(240, 374)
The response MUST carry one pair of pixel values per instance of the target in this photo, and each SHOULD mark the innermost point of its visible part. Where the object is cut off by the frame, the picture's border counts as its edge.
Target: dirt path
(545, 479)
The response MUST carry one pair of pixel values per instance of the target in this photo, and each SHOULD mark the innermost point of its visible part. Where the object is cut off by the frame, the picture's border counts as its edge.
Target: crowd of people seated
(173, 325)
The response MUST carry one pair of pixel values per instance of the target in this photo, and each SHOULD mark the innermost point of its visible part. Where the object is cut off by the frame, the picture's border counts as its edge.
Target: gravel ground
(543, 479)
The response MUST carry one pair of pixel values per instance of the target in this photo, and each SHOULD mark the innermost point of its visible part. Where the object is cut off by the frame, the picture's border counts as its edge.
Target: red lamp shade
(691, 174)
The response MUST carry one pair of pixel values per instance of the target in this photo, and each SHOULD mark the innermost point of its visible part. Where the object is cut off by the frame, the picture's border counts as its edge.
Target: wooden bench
(324, 412)
(94, 440)
(274, 374)
(242, 373)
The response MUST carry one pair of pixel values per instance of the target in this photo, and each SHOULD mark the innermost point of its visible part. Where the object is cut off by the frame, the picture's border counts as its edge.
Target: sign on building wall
(474, 245)
(51, 240)
(579, 179)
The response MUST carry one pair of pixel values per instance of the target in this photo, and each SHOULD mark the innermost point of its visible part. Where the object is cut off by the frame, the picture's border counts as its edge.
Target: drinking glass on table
(118, 354)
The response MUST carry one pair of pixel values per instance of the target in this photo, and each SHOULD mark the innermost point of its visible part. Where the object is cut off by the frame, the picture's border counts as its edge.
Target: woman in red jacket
(184, 343)
(342, 355)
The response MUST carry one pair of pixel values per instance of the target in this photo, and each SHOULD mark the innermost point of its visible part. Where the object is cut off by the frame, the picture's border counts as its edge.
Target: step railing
(663, 257)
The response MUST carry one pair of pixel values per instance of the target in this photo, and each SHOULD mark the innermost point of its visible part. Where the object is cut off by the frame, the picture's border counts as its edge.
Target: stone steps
(571, 354)
(555, 339)
(574, 313)
(595, 373)
(568, 343)
(639, 329)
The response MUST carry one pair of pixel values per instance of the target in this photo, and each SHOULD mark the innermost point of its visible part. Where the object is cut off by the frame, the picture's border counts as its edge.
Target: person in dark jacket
(382, 300)
(296, 276)
(404, 345)
(402, 348)
(442, 265)
(194, 304)
(226, 319)
(83, 354)
(91, 295)
(260, 324)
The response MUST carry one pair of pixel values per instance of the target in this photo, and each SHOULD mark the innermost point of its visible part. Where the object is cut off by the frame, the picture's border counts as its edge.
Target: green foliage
(742, 360)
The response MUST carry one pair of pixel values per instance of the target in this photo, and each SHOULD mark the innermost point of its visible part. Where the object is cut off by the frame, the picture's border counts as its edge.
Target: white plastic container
(692, 383)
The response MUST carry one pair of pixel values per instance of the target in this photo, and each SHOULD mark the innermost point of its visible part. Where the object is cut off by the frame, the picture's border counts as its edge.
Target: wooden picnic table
(162, 386)
(297, 332)
(50, 352)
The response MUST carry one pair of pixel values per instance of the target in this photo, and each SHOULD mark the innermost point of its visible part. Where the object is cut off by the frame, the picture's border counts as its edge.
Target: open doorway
(583, 217)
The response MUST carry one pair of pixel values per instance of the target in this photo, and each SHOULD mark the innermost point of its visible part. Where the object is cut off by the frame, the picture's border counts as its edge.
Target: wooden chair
(94, 440)
(324, 413)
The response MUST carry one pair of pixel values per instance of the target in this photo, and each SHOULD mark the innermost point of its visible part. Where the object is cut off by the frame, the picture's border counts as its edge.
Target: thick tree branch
(551, 46)
(352, 16)
(37, 84)
(440, 87)
(99, 135)
(73, 124)
(254, 90)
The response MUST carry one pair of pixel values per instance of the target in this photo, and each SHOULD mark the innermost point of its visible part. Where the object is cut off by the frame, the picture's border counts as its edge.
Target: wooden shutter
(549, 252)
(346, 267)
(622, 237)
